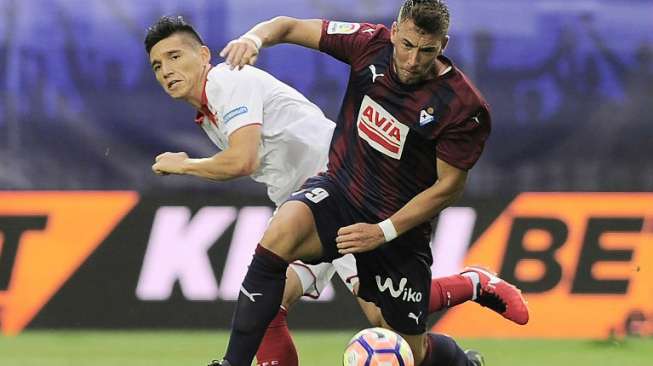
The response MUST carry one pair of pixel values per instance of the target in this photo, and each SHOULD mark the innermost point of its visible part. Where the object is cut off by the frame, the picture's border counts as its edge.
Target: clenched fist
(170, 163)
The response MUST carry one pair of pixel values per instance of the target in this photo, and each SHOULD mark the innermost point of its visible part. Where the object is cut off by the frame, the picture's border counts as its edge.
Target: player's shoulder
(222, 73)
(376, 43)
(458, 99)
(463, 89)
(221, 78)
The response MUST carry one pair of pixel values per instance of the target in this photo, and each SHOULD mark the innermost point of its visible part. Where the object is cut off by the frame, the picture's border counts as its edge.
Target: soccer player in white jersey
(269, 131)
(264, 128)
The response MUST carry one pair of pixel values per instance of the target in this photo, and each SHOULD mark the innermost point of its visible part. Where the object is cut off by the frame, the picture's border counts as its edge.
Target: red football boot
(499, 295)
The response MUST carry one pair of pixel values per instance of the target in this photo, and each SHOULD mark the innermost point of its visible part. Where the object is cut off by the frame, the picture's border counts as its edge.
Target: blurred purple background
(570, 84)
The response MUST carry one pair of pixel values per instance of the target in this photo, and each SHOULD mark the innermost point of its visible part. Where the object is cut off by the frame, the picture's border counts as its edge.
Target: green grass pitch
(168, 348)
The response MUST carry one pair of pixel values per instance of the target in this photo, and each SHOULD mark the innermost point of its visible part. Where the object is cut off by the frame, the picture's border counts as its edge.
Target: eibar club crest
(426, 116)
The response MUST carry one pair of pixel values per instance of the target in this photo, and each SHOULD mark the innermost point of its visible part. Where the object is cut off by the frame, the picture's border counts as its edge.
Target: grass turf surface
(163, 348)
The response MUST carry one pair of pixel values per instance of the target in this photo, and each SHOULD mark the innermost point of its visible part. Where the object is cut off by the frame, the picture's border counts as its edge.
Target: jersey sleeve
(346, 41)
(461, 144)
(238, 97)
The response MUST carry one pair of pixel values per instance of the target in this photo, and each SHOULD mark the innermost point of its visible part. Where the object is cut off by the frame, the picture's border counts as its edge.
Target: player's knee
(446, 350)
(419, 345)
(280, 239)
(287, 231)
(375, 320)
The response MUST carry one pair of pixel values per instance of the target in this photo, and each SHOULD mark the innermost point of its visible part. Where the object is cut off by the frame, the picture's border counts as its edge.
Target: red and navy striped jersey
(388, 134)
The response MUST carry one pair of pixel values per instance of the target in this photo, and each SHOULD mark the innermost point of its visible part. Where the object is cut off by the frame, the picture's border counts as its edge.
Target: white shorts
(315, 277)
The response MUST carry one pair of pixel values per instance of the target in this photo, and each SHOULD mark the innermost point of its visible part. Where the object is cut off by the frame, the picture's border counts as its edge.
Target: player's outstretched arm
(245, 50)
(364, 237)
(238, 160)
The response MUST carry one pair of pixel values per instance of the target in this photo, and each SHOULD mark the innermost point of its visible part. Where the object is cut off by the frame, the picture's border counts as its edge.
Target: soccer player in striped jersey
(230, 104)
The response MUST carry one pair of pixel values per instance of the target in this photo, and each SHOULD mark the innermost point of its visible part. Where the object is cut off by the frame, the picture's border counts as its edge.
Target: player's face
(179, 63)
(415, 51)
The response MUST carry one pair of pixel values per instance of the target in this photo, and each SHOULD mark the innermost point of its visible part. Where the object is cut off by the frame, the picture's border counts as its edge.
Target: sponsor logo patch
(234, 113)
(380, 129)
(400, 292)
(343, 28)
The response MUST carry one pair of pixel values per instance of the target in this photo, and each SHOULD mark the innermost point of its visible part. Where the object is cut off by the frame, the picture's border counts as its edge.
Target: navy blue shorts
(396, 276)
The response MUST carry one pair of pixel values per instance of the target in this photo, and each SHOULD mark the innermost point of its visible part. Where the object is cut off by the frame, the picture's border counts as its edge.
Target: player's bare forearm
(245, 50)
(363, 237)
(240, 159)
(282, 29)
(222, 166)
(225, 165)
(424, 206)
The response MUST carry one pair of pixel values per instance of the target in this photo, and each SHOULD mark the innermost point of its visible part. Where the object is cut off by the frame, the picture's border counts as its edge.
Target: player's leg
(432, 349)
(277, 346)
(482, 286)
(446, 292)
(473, 283)
(372, 312)
(397, 279)
(291, 235)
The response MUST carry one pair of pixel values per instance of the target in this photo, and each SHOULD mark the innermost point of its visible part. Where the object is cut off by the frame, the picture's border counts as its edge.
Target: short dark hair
(167, 26)
(432, 16)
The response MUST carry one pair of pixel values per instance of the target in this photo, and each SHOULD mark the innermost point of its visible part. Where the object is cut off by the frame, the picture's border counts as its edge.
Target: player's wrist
(188, 166)
(253, 39)
(388, 229)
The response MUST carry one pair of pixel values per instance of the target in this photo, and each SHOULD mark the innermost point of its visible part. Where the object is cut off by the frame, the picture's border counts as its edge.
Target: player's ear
(393, 32)
(445, 42)
(205, 54)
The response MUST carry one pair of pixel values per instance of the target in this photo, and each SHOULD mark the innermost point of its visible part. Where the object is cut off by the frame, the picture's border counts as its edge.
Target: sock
(258, 302)
(450, 291)
(277, 347)
(444, 351)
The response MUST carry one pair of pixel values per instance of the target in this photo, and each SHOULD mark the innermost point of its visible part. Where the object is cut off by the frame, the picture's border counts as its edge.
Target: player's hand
(240, 52)
(359, 238)
(169, 163)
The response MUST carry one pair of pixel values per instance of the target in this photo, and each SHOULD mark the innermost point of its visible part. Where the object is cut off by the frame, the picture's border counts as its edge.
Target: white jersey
(295, 134)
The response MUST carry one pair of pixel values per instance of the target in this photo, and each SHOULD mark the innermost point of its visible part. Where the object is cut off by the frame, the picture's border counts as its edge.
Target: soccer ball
(377, 347)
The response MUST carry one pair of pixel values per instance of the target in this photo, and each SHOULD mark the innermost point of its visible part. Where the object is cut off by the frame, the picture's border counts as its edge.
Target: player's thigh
(292, 234)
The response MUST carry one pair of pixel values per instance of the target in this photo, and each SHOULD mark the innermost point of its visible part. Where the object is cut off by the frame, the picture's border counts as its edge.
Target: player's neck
(439, 67)
(195, 97)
